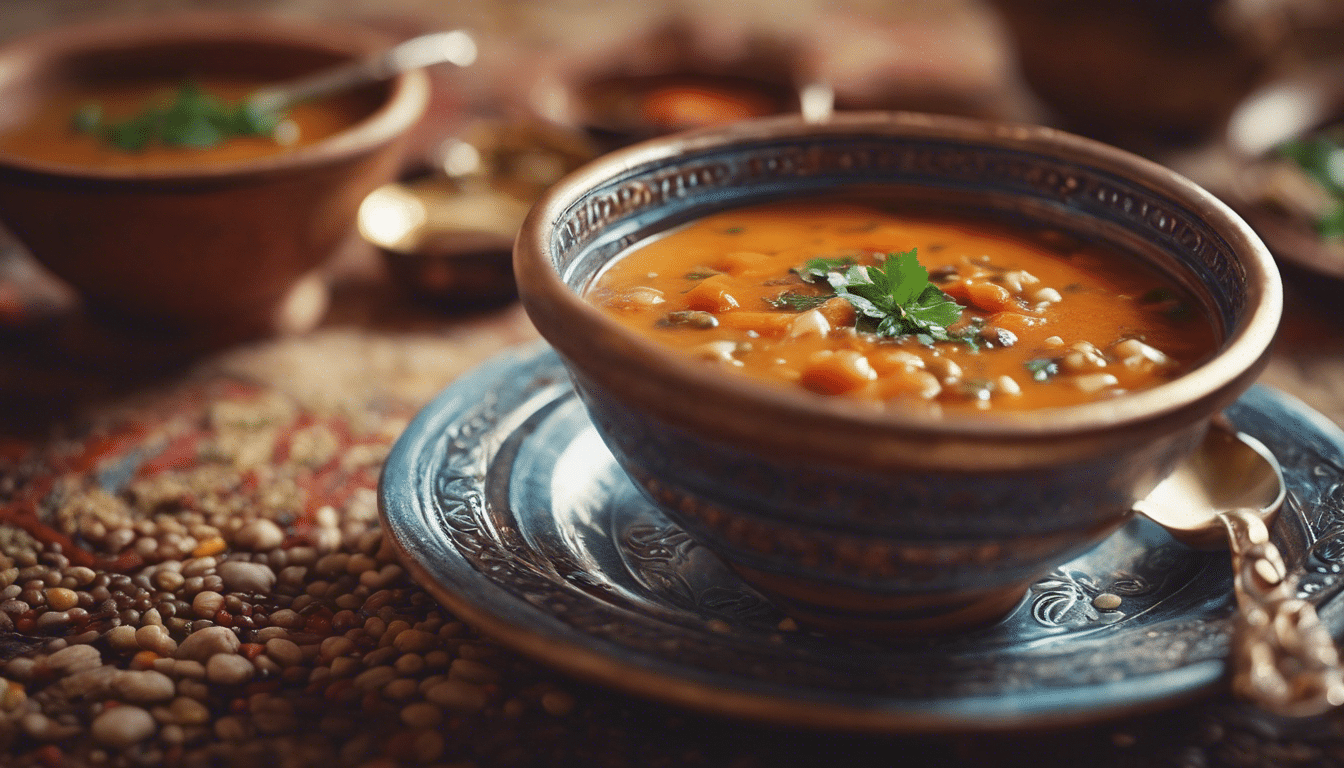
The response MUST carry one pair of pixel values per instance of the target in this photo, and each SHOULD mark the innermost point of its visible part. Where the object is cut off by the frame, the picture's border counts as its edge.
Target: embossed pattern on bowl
(896, 521)
(505, 505)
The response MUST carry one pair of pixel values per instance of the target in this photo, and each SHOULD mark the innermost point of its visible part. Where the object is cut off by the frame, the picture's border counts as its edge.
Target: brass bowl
(446, 237)
(901, 522)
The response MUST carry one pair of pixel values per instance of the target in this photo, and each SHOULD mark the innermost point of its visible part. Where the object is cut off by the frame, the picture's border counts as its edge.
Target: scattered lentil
(284, 652)
(1106, 601)
(195, 636)
(229, 669)
(240, 576)
(143, 686)
(259, 535)
(123, 726)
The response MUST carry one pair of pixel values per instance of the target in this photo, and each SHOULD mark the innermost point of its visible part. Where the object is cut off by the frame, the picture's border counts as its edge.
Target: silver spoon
(455, 47)
(1283, 658)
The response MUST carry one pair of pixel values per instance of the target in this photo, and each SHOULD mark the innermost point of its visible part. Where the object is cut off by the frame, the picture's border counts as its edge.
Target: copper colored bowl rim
(1195, 395)
(408, 92)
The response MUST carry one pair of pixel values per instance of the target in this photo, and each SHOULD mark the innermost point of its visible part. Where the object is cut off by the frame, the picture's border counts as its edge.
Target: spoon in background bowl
(1283, 658)
(454, 47)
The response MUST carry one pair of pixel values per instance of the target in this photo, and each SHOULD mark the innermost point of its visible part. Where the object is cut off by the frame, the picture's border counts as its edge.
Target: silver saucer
(508, 508)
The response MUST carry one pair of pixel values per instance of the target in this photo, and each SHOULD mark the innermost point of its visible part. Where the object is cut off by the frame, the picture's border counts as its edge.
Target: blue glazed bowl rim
(587, 206)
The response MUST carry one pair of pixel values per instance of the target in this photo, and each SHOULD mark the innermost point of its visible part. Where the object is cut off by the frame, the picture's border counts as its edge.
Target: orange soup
(829, 298)
(50, 134)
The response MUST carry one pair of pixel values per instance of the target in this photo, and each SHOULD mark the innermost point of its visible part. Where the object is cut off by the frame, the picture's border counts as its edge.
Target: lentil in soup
(828, 298)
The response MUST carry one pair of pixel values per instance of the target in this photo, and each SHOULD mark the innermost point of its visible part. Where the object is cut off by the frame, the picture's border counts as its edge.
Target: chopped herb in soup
(190, 118)
(1320, 157)
(158, 124)
(847, 300)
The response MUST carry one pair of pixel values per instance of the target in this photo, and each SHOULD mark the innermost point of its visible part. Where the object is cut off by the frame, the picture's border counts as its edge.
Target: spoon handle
(456, 46)
(1284, 659)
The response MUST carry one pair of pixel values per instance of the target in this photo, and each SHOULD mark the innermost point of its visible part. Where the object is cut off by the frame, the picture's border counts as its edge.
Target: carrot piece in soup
(836, 372)
(772, 324)
(712, 295)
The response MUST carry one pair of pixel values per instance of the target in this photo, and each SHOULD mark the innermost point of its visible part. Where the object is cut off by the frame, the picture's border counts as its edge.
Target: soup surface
(828, 298)
(51, 134)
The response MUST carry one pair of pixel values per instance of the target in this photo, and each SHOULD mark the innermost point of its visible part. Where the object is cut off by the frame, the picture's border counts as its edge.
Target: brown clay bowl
(900, 522)
(208, 247)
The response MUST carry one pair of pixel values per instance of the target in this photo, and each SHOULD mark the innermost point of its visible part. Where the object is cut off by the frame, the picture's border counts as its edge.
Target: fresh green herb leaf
(1317, 156)
(969, 337)
(894, 298)
(130, 135)
(192, 118)
(87, 118)
(252, 120)
(1321, 158)
(792, 301)
(816, 270)
(1332, 223)
(1042, 368)
(898, 297)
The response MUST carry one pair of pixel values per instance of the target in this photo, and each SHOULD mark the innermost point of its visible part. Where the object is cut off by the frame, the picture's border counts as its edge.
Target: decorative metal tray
(507, 507)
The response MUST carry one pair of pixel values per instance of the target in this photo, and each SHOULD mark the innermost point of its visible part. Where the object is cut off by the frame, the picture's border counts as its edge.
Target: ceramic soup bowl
(210, 247)
(858, 520)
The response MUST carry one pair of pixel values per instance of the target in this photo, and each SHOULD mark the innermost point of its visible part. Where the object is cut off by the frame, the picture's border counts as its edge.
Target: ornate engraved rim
(445, 517)
(601, 198)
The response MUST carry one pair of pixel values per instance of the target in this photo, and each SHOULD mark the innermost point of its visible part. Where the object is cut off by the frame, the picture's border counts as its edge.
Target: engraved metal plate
(508, 508)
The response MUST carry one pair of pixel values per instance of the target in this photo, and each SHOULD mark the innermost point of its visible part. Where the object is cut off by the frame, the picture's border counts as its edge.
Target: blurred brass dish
(447, 237)
(444, 246)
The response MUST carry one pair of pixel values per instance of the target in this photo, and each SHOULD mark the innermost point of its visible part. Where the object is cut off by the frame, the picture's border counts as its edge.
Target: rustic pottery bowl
(903, 522)
(207, 247)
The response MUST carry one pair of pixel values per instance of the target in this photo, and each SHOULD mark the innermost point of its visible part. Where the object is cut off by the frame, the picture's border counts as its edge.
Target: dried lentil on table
(225, 602)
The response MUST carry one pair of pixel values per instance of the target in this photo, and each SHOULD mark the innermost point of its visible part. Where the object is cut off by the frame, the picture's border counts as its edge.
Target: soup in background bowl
(205, 241)
(884, 513)
(53, 132)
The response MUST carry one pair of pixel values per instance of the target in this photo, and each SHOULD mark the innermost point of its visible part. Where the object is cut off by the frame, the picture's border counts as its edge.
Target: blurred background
(1134, 72)
(1188, 83)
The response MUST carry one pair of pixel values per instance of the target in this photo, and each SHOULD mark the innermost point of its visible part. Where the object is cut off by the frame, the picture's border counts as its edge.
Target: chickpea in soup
(109, 125)
(851, 301)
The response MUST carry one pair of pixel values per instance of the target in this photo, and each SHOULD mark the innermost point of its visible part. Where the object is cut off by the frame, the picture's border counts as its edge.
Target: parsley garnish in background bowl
(1321, 158)
(190, 118)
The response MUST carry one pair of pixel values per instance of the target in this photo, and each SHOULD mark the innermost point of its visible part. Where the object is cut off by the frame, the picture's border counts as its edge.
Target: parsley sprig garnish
(1318, 157)
(191, 118)
(894, 298)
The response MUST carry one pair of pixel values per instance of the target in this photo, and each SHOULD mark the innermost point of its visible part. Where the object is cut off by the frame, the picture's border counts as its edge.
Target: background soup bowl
(200, 246)
(859, 520)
